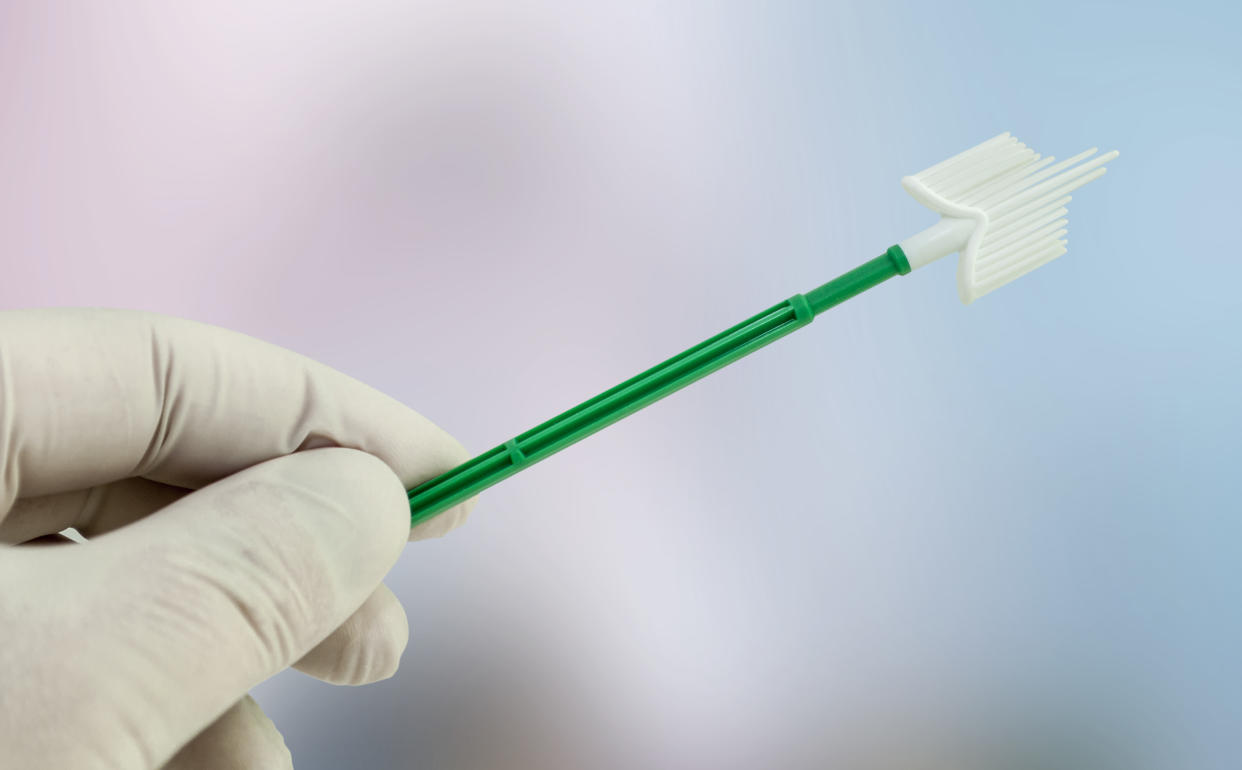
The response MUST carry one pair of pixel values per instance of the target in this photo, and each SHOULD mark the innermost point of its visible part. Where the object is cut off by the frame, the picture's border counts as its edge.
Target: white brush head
(1002, 208)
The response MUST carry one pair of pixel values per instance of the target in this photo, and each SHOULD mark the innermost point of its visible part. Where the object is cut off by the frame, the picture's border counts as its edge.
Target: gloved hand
(227, 540)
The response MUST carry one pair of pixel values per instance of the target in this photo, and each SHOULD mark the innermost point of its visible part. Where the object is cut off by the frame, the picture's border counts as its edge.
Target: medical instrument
(1001, 207)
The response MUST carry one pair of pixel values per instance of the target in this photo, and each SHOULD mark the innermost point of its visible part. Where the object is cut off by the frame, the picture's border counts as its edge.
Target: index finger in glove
(88, 397)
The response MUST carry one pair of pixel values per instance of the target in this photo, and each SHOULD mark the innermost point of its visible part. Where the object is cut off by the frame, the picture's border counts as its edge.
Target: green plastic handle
(478, 473)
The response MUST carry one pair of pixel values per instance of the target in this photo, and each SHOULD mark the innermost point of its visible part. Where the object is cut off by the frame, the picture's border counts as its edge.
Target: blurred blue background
(913, 535)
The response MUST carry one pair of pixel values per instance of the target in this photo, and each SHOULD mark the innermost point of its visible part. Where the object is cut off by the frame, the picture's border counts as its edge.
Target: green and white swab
(1001, 207)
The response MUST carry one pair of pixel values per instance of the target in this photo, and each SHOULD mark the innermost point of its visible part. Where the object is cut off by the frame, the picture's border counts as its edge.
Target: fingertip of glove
(366, 648)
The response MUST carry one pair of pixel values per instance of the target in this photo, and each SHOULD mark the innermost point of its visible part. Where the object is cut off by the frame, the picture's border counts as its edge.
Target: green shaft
(480, 472)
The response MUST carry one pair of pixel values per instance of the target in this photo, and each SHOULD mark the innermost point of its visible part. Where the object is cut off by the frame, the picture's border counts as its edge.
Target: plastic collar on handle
(480, 472)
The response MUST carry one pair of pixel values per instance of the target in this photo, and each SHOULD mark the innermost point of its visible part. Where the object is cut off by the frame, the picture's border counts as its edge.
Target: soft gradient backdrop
(912, 533)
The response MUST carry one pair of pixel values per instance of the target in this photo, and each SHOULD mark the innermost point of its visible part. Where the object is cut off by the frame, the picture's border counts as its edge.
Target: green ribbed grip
(479, 473)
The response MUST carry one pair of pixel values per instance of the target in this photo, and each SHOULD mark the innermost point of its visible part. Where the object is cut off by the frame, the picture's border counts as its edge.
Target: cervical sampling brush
(1001, 207)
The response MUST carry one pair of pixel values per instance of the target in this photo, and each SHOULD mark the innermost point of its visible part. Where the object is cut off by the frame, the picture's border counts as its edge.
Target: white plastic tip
(1002, 207)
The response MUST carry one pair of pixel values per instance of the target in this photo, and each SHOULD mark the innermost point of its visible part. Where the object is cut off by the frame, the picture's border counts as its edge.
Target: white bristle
(989, 171)
(977, 148)
(978, 155)
(1036, 259)
(1060, 184)
(1017, 198)
(1005, 225)
(1013, 254)
(1025, 229)
(1023, 181)
(1005, 181)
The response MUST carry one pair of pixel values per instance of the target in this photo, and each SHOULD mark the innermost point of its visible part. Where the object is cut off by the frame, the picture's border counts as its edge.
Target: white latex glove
(137, 648)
